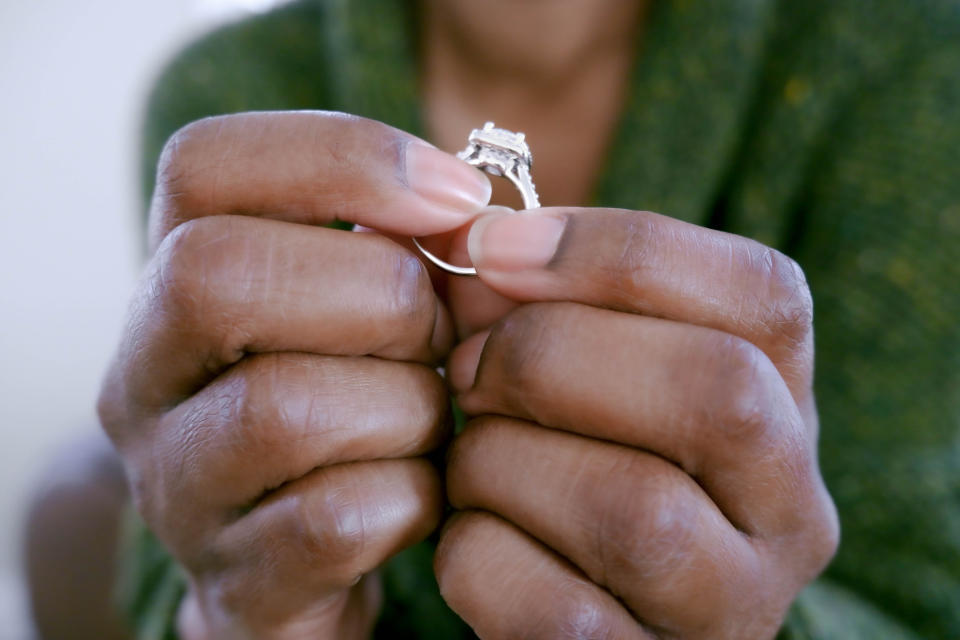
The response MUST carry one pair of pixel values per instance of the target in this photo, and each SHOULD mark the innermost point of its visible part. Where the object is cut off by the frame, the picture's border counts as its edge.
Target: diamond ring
(500, 153)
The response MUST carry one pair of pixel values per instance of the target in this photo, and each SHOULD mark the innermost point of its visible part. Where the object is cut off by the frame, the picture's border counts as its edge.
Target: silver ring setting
(502, 153)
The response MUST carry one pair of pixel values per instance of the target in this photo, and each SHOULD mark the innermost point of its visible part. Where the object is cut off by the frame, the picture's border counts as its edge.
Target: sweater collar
(679, 132)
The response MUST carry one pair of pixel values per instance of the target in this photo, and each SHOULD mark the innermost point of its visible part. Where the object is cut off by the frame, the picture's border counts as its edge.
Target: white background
(73, 76)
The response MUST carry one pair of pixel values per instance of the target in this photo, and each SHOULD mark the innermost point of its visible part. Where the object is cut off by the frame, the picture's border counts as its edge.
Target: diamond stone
(501, 139)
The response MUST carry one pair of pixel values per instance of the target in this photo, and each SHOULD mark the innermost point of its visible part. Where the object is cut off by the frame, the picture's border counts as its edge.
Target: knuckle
(742, 406)
(181, 174)
(181, 271)
(572, 610)
(825, 536)
(118, 414)
(251, 406)
(141, 494)
(236, 417)
(341, 134)
(234, 591)
(183, 287)
(237, 420)
(110, 413)
(332, 532)
(251, 418)
(631, 264)
(575, 616)
(644, 531)
(790, 312)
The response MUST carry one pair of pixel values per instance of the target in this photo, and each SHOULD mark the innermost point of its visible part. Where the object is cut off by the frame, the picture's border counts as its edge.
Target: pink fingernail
(515, 241)
(446, 180)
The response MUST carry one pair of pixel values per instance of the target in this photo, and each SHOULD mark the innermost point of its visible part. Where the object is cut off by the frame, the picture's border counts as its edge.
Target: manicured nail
(446, 180)
(516, 241)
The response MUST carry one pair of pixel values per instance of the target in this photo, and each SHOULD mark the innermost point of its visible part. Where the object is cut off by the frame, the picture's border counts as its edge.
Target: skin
(641, 456)
(70, 542)
(534, 67)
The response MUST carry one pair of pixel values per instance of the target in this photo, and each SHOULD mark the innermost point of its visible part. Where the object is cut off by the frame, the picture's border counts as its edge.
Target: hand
(644, 464)
(274, 388)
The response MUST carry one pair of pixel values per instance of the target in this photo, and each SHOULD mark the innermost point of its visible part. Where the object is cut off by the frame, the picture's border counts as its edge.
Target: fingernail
(513, 242)
(446, 180)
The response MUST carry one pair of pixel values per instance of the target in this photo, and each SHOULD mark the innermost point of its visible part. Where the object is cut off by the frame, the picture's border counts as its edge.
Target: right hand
(274, 387)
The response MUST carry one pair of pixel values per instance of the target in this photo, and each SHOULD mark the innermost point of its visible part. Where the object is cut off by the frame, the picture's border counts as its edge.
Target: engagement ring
(500, 153)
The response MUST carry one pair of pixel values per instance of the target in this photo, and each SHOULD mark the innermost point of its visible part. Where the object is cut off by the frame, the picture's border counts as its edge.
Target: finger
(319, 535)
(348, 614)
(273, 418)
(473, 305)
(223, 287)
(506, 585)
(641, 262)
(312, 167)
(634, 523)
(708, 401)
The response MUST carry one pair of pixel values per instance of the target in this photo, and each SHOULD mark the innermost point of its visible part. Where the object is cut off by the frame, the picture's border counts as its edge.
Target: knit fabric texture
(829, 129)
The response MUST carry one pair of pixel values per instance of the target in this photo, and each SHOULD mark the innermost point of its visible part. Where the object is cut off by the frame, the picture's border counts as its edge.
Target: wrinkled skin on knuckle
(225, 425)
(643, 530)
(178, 280)
(743, 400)
(331, 530)
(632, 264)
(788, 304)
(345, 144)
(573, 615)
(194, 258)
(186, 171)
(252, 420)
(752, 416)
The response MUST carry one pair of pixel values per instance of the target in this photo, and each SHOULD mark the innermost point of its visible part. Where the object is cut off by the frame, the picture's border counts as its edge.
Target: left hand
(644, 464)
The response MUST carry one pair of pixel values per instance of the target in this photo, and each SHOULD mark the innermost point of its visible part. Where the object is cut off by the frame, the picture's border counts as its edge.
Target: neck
(558, 71)
(534, 45)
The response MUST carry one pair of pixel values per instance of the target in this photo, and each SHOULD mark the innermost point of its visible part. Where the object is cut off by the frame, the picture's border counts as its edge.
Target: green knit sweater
(829, 129)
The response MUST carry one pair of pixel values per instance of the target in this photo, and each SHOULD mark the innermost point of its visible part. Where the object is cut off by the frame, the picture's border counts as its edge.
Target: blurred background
(73, 77)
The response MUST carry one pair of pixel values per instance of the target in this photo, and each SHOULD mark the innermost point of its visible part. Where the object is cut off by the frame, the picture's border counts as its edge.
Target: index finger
(649, 264)
(312, 167)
